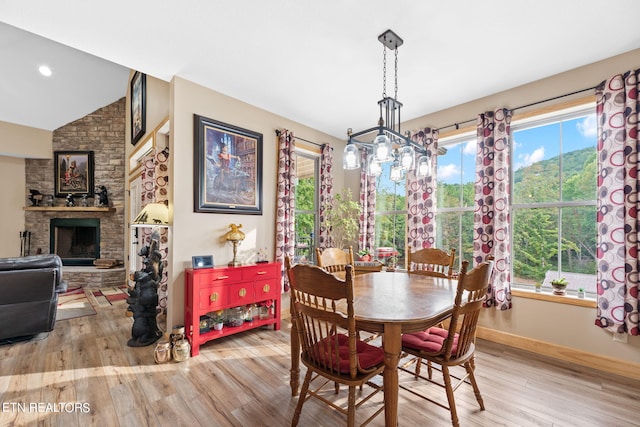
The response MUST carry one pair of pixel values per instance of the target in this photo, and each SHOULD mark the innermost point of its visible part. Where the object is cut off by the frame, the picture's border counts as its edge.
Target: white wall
(12, 200)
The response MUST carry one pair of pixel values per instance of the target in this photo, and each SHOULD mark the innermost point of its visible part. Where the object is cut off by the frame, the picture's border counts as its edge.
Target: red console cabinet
(212, 289)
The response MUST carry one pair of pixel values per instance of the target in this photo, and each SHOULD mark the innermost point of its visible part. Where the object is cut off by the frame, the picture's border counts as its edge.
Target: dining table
(391, 303)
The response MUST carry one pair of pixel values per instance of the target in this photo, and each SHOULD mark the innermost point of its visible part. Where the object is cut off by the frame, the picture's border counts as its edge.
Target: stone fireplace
(75, 240)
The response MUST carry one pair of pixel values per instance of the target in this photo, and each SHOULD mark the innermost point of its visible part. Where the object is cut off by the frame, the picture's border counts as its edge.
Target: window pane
(455, 231)
(536, 164)
(535, 244)
(456, 175)
(579, 164)
(304, 245)
(384, 185)
(390, 233)
(578, 247)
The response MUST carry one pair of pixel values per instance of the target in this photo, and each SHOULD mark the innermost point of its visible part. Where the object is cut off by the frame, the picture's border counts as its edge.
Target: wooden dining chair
(335, 260)
(432, 262)
(329, 347)
(454, 346)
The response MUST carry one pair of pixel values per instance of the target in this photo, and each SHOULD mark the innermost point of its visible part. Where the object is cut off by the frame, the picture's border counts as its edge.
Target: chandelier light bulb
(424, 167)
(395, 174)
(407, 157)
(374, 167)
(382, 148)
(351, 157)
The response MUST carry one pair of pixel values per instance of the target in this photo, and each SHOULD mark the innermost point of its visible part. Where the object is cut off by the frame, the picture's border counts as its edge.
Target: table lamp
(234, 236)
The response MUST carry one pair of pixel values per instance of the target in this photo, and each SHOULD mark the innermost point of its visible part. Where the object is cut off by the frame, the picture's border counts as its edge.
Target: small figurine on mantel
(103, 199)
(35, 198)
(70, 202)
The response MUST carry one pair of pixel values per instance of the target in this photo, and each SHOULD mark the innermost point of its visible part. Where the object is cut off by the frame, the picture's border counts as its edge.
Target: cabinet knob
(213, 297)
(242, 292)
(266, 288)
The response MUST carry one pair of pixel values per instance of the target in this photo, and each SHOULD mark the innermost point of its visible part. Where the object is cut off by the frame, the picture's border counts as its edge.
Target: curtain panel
(367, 233)
(618, 284)
(326, 191)
(492, 233)
(155, 184)
(421, 196)
(285, 202)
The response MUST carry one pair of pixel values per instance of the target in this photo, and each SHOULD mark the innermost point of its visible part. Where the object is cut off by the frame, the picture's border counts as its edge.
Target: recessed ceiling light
(45, 70)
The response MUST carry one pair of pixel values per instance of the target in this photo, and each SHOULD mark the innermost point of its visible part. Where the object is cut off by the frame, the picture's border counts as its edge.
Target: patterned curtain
(618, 205)
(285, 201)
(326, 191)
(155, 183)
(492, 233)
(421, 197)
(367, 232)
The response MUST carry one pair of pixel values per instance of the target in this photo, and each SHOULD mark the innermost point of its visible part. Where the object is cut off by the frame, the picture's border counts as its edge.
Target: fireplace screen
(76, 241)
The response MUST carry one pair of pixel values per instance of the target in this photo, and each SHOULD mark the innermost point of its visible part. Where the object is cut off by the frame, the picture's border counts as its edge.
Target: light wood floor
(243, 380)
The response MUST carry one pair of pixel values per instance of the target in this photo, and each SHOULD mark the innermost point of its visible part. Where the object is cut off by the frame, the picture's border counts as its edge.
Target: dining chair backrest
(470, 295)
(335, 260)
(319, 299)
(431, 262)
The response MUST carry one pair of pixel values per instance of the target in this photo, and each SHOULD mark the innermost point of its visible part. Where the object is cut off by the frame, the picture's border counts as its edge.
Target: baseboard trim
(590, 360)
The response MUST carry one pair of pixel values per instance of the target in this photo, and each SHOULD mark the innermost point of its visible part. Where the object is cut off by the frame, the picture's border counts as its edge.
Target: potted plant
(580, 292)
(538, 286)
(559, 286)
(218, 320)
(343, 219)
(365, 255)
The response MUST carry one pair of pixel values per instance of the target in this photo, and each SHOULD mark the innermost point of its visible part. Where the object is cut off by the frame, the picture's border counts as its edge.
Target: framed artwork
(73, 173)
(138, 106)
(227, 168)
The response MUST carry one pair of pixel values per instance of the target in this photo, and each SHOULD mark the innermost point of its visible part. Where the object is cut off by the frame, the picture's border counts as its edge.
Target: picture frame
(74, 173)
(202, 261)
(138, 106)
(227, 168)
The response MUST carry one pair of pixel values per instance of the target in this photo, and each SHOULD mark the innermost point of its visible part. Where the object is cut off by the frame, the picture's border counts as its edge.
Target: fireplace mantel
(69, 209)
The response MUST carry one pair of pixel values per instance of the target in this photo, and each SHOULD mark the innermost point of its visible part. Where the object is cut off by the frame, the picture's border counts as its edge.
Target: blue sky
(530, 146)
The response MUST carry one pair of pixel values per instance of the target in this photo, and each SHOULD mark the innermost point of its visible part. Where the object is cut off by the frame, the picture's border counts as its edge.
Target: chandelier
(389, 144)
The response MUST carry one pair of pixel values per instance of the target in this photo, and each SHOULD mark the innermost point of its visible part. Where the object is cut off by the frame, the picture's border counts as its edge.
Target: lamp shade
(152, 214)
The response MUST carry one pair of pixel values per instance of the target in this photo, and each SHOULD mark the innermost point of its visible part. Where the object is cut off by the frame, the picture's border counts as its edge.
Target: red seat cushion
(430, 341)
(368, 355)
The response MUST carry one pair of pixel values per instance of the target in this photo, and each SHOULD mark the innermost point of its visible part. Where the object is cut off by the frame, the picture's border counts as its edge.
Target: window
(554, 201)
(456, 172)
(391, 218)
(553, 210)
(306, 216)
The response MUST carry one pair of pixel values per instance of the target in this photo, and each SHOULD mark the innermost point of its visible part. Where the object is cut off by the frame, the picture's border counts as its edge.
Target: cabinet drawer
(241, 293)
(267, 289)
(261, 272)
(217, 276)
(213, 297)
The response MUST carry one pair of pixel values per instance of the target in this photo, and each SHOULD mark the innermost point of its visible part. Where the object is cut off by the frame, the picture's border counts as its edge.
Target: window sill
(560, 299)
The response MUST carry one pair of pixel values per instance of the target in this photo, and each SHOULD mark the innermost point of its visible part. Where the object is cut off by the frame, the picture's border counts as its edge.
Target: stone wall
(102, 132)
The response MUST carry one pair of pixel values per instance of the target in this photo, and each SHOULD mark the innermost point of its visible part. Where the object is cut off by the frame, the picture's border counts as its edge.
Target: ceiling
(316, 62)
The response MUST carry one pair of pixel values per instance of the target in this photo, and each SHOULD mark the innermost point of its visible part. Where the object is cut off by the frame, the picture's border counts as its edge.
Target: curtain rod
(301, 139)
(457, 124)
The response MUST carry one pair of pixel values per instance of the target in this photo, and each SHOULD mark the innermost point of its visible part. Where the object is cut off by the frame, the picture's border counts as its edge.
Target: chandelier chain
(396, 82)
(384, 71)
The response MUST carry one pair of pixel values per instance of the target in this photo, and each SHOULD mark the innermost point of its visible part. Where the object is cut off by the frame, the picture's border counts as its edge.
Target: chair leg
(418, 366)
(301, 399)
(351, 409)
(450, 398)
(472, 378)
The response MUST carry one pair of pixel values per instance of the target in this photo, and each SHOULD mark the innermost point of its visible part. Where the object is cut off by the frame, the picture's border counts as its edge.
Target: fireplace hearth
(75, 240)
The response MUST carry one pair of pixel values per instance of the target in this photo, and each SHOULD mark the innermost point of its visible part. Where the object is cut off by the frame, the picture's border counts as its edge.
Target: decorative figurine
(35, 198)
(103, 199)
(70, 202)
(143, 298)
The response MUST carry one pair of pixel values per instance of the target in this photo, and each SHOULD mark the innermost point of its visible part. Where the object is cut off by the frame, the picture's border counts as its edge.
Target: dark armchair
(29, 288)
